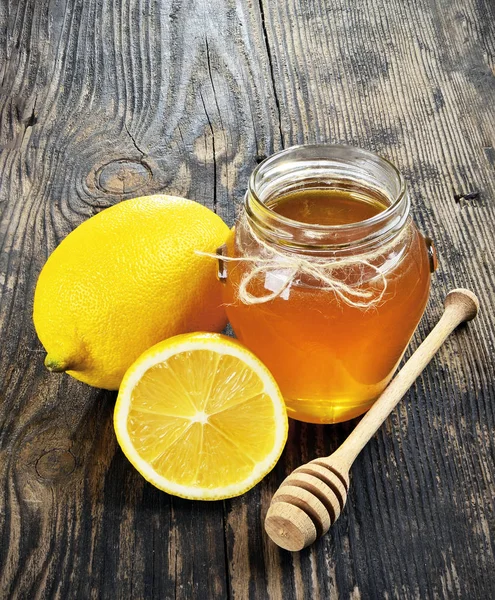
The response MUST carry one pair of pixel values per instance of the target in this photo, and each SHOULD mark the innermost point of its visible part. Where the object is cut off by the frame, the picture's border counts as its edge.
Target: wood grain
(102, 100)
(310, 499)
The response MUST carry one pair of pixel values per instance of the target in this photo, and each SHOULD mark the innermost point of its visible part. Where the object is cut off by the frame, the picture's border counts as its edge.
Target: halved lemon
(200, 417)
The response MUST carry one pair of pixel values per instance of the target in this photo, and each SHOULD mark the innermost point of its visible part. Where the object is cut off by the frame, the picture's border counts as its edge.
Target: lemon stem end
(56, 366)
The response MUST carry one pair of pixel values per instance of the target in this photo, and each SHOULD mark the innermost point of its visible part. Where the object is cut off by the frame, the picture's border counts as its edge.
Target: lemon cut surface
(200, 417)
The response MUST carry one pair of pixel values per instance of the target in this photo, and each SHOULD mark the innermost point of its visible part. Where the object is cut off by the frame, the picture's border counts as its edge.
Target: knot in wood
(55, 465)
(123, 176)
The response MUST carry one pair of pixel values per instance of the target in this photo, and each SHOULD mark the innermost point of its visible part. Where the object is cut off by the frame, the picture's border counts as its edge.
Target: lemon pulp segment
(201, 421)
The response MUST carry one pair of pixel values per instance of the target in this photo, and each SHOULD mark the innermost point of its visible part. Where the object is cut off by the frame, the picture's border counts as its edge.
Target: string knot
(281, 269)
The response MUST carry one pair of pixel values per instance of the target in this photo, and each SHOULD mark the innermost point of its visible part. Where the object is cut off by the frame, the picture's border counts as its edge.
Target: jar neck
(323, 167)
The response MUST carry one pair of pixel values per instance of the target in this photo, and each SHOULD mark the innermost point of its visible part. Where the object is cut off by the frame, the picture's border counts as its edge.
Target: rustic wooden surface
(102, 100)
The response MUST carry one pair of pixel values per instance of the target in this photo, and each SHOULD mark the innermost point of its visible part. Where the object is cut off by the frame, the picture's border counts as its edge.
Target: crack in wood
(213, 153)
(219, 116)
(272, 71)
(468, 196)
(29, 123)
(143, 154)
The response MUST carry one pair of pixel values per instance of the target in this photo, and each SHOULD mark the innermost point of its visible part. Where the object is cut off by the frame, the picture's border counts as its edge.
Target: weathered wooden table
(102, 101)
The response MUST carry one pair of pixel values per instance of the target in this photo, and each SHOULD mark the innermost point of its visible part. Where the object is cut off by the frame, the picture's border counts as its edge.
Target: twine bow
(321, 270)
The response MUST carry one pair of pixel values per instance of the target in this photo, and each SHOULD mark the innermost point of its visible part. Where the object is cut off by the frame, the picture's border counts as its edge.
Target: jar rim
(382, 216)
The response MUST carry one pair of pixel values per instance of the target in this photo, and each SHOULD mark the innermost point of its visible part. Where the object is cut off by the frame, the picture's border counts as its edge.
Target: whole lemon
(124, 280)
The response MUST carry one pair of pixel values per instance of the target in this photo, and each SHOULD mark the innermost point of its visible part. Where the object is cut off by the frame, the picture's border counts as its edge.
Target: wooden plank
(414, 81)
(103, 101)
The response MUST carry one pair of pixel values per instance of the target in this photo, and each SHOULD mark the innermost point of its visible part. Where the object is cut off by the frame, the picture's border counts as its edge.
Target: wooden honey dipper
(312, 497)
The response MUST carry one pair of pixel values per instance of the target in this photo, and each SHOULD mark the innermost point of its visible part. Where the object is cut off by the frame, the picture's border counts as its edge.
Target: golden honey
(331, 357)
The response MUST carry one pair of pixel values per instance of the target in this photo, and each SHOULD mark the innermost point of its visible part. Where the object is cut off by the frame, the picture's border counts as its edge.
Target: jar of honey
(326, 276)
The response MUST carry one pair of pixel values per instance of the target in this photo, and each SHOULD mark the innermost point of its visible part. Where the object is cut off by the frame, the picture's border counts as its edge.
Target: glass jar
(329, 308)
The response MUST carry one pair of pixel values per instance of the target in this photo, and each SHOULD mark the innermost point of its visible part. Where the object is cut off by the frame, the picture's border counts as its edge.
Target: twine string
(320, 269)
